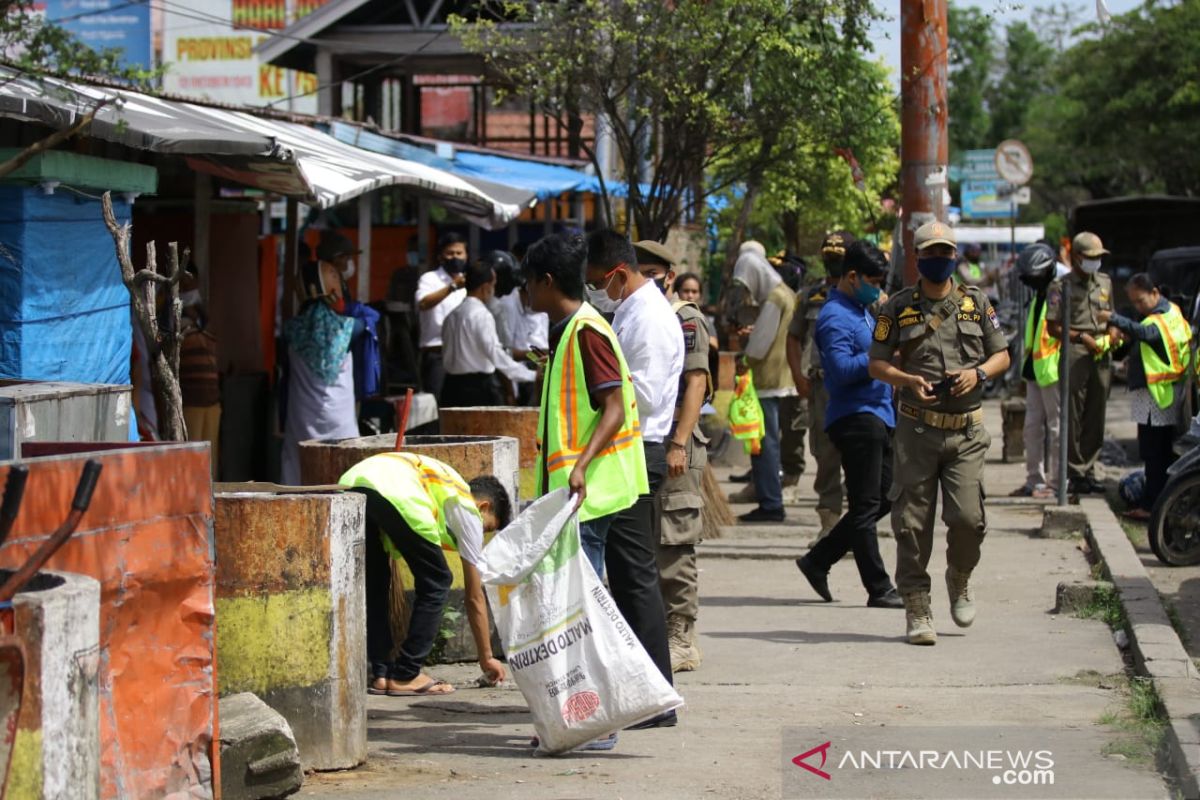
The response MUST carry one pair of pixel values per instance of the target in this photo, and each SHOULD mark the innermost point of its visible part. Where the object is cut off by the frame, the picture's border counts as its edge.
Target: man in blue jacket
(859, 419)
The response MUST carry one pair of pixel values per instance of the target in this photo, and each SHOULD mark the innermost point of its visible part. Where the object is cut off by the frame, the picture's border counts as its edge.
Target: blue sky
(887, 32)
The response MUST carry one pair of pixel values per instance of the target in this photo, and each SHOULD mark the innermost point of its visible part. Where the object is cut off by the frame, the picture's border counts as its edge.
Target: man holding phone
(949, 342)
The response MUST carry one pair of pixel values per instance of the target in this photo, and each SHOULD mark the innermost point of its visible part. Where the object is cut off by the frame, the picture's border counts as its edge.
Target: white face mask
(348, 272)
(599, 299)
(1090, 265)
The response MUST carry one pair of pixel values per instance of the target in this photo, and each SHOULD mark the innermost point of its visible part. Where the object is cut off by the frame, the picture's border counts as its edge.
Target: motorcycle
(1175, 520)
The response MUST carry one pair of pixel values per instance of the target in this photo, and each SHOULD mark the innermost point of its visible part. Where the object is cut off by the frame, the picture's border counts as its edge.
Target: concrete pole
(923, 146)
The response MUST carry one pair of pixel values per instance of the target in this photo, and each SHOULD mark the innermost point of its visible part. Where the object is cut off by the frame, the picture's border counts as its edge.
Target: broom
(716, 512)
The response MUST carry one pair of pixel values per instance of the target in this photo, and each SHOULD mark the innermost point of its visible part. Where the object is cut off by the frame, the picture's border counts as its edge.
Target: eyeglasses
(596, 285)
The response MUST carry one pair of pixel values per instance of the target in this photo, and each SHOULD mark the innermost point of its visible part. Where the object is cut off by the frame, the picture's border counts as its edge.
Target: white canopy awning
(281, 157)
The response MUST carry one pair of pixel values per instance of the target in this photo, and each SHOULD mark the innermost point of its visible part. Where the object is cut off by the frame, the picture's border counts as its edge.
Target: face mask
(661, 283)
(190, 297)
(454, 265)
(1090, 265)
(866, 293)
(348, 272)
(600, 301)
(936, 270)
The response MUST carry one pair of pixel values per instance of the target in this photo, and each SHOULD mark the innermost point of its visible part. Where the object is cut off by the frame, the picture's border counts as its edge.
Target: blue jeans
(592, 535)
(764, 467)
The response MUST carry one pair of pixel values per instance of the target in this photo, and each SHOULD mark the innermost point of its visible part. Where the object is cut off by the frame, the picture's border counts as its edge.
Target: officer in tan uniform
(680, 498)
(949, 343)
(1090, 370)
(805, 363)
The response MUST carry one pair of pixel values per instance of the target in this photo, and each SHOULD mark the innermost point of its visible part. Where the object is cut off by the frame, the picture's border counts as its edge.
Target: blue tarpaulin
(64, 312)
(545, 180)
(538, 178)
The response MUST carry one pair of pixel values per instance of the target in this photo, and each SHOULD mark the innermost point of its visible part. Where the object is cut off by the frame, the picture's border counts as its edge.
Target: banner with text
(209, 49)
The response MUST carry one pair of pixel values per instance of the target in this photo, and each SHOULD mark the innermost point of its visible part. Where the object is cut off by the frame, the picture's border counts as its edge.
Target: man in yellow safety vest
(418, 509)
(1037, 267)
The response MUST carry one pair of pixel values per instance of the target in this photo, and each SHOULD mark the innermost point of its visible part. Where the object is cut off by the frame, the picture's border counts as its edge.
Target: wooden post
(291, 254)
(423, 229)
(202, 227)
(364, 243)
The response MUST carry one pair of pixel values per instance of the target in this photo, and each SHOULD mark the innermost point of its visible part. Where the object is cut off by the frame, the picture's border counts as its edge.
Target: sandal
(1022, 491)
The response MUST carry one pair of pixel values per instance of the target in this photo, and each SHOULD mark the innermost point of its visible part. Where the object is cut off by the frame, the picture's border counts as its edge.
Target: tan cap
(932, 233)
(650, 251)
(1088, 244)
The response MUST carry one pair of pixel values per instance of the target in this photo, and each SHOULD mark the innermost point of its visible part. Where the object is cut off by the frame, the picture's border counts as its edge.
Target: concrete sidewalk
(777, 658)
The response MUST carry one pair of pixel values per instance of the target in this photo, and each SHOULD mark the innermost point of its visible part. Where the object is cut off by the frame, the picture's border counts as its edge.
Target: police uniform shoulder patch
(689, 335)
(992, 317)
(883, 328)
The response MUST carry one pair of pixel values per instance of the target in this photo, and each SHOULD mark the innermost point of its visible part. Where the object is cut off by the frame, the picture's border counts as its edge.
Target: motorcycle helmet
(1036, 265)
(508, 274)
(1132, 488)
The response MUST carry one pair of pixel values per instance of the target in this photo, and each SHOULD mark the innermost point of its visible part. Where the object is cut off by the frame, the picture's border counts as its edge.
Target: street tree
(682, 86)
(972, 56)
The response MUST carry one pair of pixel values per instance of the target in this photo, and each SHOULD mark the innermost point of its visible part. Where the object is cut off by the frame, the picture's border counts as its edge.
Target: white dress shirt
(528, 329)
(652, 342)
(470, 344)
(433, 318)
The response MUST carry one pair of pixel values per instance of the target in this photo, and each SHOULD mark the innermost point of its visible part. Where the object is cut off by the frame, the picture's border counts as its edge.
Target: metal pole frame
(1064, 394)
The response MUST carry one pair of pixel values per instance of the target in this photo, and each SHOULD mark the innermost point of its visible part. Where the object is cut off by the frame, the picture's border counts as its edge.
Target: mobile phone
(943, 386)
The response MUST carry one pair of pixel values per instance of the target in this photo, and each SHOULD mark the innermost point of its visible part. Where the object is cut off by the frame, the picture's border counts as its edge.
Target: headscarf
(321, 338)
(753, 271)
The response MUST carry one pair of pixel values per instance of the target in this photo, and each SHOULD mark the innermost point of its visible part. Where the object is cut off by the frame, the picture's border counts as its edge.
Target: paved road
(778, 660)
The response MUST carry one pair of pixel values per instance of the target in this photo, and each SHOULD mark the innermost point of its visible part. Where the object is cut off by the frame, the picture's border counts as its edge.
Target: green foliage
(37, 47)
(1027, 61)
(972, 42)
(684, 87)
(1124, 115)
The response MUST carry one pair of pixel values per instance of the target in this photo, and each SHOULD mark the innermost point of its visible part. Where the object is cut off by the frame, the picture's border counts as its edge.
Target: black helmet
(1036, 265)
(508, 274)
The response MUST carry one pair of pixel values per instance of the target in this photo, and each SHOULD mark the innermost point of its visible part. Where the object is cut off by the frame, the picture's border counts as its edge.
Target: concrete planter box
(55, 748)
(519, 422)
(291, 612)
(147, 540)
(322, 463)
(36, 411)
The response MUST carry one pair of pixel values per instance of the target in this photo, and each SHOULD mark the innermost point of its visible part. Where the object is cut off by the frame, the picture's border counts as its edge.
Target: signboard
(1013, 162)
(105, 24)
(979, 165)
(207, 57)
(986, 200)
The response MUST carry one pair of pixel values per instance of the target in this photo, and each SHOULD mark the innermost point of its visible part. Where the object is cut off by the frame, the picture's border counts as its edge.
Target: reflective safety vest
(745, 414)
(418, 487)
(617, 475)
(1046, 350)
(1161, 376)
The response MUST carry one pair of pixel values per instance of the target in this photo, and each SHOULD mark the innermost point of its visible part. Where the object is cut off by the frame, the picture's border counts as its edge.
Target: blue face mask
(936, 270)
(865, 293)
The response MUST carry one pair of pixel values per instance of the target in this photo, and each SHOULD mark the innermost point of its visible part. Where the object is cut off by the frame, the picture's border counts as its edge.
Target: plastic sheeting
(64, 312)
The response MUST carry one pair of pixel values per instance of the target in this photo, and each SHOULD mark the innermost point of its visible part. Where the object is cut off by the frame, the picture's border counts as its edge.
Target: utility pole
(923, 143)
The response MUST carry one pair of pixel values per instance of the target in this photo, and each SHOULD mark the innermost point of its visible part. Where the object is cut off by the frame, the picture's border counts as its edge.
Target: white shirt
(432, 319)
(470, 344)
(652, 342)
(528, 329)
(467, 529)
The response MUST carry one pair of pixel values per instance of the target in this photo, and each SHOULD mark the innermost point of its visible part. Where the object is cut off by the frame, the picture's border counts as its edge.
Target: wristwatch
(981, 374)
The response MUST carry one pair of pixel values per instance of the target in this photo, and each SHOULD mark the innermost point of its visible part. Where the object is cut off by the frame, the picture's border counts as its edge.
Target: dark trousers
(1155, 446)
(630, 552)
(793, 425)
(472, 389)
(432, 372)
(431, 585)
(866, 447)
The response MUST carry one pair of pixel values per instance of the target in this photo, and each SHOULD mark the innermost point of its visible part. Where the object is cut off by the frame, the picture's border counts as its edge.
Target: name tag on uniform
(911, 316)
(964, 316)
